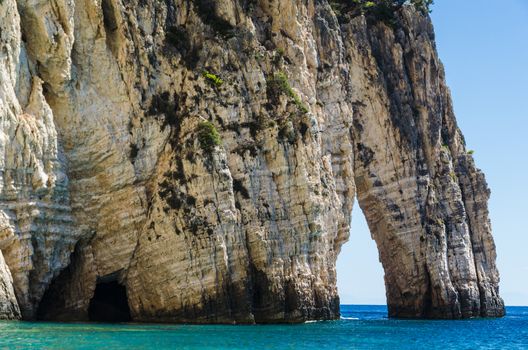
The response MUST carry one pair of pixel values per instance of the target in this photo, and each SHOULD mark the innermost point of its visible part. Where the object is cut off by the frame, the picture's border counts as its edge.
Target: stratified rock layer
(107, 175)
(8, 304)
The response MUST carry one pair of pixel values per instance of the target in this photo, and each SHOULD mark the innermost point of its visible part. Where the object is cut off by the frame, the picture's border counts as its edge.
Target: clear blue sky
(484, 47)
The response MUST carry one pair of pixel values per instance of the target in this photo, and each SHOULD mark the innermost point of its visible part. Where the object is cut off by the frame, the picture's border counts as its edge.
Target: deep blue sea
(361, 327)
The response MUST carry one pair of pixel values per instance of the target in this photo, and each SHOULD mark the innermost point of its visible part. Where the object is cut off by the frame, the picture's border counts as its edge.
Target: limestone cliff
(202, 157)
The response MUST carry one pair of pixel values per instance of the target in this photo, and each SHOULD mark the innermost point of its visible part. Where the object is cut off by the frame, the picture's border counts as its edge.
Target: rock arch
(423, 197)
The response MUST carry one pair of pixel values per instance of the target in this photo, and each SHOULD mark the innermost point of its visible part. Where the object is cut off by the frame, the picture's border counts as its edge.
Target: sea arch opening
(360, 275)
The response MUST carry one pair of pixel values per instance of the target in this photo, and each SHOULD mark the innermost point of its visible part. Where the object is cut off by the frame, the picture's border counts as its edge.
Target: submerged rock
(200, 160)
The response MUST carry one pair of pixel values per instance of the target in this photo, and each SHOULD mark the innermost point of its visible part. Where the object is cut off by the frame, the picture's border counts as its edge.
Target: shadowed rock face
(110, 177)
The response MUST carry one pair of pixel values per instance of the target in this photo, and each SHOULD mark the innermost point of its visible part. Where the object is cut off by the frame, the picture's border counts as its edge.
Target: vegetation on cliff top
(379, 10)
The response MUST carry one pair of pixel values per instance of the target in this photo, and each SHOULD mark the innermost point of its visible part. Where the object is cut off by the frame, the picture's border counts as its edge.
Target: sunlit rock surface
(105, 177)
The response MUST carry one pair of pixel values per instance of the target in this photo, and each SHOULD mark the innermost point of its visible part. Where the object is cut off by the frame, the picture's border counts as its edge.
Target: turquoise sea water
(361, 327)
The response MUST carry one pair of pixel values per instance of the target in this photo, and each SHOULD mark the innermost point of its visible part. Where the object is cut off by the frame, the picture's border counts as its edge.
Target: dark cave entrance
(109, 303)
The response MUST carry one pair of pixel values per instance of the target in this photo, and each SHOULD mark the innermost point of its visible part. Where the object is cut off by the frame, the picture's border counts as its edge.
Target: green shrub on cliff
(208, 136)
(423, 5)
(376, 10)
(379, 10)
(213, 79)
(278, 84)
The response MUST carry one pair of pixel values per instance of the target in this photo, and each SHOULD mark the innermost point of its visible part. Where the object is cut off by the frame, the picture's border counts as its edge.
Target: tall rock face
(197, 161)
(8, 304)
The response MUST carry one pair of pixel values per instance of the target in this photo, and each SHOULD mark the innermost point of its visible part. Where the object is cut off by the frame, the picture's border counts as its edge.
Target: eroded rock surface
(8, 304)
(108, 177)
